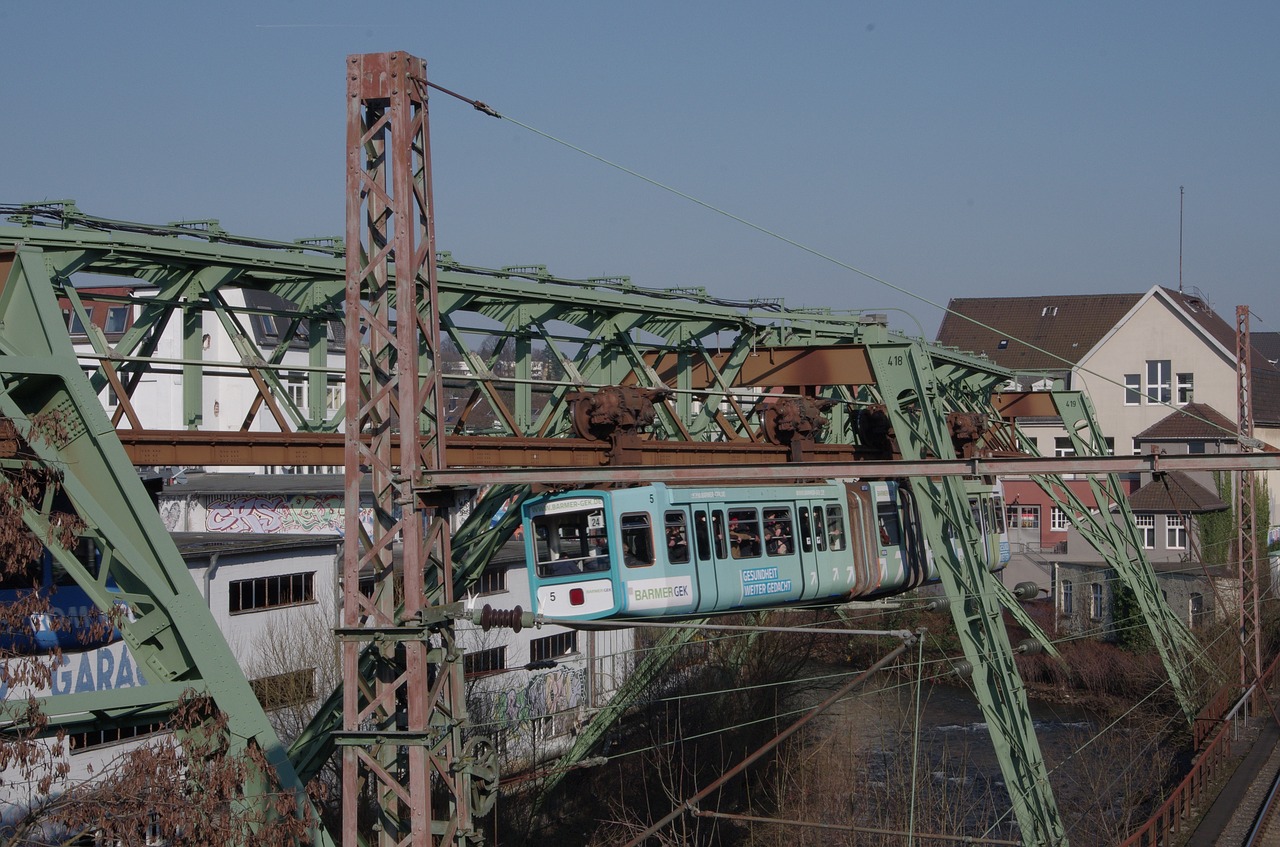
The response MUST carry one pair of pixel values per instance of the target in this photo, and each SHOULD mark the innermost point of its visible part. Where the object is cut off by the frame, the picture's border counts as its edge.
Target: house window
(1095, 601)
(1058, 520)
(485, 661)
(333, 397)
(1068, 604)
(1111, 445)
(76, 326)
(492, 581)
(1132, 389)
(1024, 517)
(270, 592)
(1175, 532)
(1063, 447)
(1146, 525)
(112, 735)
(553, 646)
(297, 391)
(1158, 372)
(1186, 388)
(1137, 447)
(117, 319)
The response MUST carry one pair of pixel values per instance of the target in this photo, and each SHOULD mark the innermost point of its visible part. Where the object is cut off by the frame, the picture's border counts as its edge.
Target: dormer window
(1003, 345)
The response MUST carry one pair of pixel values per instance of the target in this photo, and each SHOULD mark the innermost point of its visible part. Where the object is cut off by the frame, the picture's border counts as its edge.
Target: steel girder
(169, 628)
(909, 386)
(565, 334)
(719, 359)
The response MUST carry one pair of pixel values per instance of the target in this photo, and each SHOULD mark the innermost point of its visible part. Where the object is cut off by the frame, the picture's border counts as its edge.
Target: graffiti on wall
(556, 695)
(292, 513)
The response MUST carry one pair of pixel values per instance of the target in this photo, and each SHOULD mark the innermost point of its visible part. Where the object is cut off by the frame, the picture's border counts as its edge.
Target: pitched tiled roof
(1266, 376)
(1175, 492)
(1266, 394)
(1068, 326)
(1065, 326)
(1268, 344)
(1193, 422)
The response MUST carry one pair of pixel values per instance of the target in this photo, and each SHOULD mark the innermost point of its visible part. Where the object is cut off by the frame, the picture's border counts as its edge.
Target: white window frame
(1159, 380)
(1186, 388)
(1095, 601)
(1133, 389)
(1146, 525)
(1063, 447)
(1175, 532)
(1014, 513)
(1068, 605)
(1058, 520)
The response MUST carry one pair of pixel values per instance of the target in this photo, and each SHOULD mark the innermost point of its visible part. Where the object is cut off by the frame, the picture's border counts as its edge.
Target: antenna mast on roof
(1181, 192)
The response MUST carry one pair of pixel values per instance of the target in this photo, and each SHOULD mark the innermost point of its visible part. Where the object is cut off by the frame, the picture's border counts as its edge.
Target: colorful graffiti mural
(556, 694)
(319, 514)
(292, 513)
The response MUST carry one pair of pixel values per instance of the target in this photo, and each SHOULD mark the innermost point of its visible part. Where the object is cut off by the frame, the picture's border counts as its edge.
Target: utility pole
(1246, 513)
(403, 699)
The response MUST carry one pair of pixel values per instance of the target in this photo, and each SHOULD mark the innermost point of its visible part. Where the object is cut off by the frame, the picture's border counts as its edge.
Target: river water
(951, 762)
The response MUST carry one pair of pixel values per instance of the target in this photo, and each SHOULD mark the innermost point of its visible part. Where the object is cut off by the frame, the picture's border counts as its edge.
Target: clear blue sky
(950, 148)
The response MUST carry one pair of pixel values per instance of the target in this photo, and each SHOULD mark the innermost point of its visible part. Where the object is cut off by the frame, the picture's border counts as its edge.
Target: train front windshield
(567, 542)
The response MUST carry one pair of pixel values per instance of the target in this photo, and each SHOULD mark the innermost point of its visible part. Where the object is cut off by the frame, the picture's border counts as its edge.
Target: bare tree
(184, 780)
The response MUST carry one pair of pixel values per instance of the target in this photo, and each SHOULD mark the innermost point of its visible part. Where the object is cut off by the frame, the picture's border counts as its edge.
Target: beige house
(1138, 357)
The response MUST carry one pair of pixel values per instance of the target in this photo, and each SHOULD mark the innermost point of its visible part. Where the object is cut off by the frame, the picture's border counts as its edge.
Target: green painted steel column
(908, 389)
(171, 631)
(192, 373)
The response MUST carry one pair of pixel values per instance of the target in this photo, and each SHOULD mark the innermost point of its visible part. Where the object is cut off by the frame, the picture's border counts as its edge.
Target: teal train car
(659, 551)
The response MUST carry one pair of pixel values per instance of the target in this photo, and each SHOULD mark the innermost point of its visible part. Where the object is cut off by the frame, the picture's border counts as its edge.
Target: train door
(765, 569)
(708, 540)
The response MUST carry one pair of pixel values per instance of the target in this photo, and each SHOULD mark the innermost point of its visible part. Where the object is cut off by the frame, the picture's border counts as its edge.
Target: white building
(263, 591)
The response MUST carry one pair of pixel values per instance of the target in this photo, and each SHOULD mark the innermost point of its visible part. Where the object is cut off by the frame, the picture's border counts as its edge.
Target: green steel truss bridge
(431, 381)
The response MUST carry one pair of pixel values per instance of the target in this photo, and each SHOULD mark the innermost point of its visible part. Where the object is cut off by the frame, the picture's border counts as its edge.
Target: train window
(778, 532)
(806, 537)
(702, 535)
(570, 542)
(717, 527)
(835, 528)
(637, 540)
(996, 511)
(819, 528)
(744, 533)
(677, 539)
(887, 516)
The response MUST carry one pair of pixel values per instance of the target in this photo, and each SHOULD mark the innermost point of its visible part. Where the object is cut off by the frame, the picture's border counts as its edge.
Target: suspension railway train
(670, 551)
